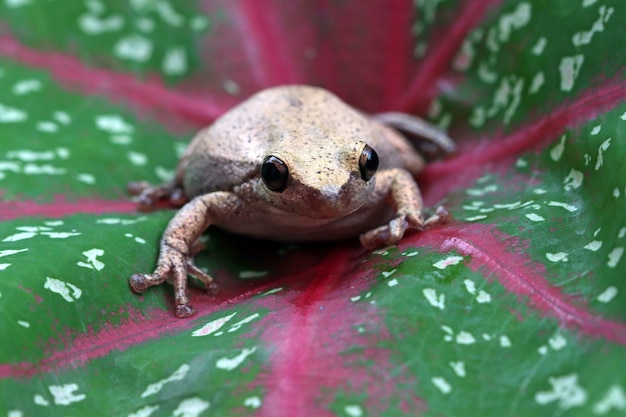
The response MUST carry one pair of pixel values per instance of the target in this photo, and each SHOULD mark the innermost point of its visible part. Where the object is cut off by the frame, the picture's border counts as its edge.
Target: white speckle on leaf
(60, 235)
(231, 87)
(168, 14)
(557, 342)
(539, 46)
(136, 158)
(229, 364)
(252, 274)
(68, 291)
(26, 86)
(120, 139)
(92, 261)
(435, 300)
(442, 384)
(86, 178)
(191, 407)
(475, 218)
(603, 147)
(177, 375)
(450, 260)
(95, 25)
(19, 236)
(573, 180)
(616, 192)
(587, 3)
(134, 48)
(535, 217)
(621, 233)
(62, 117)
(566, 206)
(584, 37)
(542, 350)
(175, 61)
(458, 368)
(46, 169)
(144, 411)
(9, 252)
(608, 294)
(15, 413)
(113, 123)
(23, 323)
(4, 266)
(565, 391)
(593, 246)
(14, 4)
(483, 297)
(538, 80)
(237, 326)
(144, 24)
(482, 191)
(392, 282)
(615, 256)
(253, 402)
(596, 129)
(557, 257)
(517, 19)
(569, 69)
(353, 410)
(26, 155)
(38, 399)
(465, 338)
(65, 394)
(505, 341)
(470, 286)
(212, 326)
(557, 151)
(11, 114)
(47, 127)
(614, 399)
(387, 274)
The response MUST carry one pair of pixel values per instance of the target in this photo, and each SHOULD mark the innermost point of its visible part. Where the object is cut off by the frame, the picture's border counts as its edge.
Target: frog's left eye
(274, 174)
(368, 163)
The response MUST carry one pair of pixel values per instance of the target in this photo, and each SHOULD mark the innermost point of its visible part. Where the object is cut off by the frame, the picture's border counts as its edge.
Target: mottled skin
(321, 140)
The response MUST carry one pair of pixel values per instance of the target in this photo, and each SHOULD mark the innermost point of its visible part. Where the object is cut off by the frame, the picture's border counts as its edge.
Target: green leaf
(515, 308)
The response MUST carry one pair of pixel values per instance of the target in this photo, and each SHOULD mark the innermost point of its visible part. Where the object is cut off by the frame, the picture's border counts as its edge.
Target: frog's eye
(368, 163)
(274, 173)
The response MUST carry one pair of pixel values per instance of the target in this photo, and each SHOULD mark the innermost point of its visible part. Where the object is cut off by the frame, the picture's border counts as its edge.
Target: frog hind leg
(429, 140)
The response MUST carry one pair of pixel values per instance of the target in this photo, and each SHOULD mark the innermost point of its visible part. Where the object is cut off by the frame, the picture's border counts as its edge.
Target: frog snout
(332, 200)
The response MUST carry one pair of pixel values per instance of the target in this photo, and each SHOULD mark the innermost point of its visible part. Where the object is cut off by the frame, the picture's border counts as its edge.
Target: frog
(291, 163)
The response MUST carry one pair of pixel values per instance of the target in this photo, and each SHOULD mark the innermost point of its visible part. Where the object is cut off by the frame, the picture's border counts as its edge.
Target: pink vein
(522, 277)
(476, 156)
(267, 54)
(140, 328)
(423, 88)
(398, 47)
(145, 95)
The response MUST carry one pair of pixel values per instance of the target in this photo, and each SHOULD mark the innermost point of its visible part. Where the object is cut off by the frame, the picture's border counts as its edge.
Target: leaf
(515, 308)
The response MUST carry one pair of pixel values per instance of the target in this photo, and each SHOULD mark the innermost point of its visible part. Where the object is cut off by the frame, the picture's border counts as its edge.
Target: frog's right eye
(274, 174)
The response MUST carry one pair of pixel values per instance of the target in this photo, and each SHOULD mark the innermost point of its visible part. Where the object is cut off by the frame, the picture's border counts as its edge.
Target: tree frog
(291, 163)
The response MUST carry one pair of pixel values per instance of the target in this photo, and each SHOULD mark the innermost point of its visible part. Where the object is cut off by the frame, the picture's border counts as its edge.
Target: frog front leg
(400, 187)
(178, 245)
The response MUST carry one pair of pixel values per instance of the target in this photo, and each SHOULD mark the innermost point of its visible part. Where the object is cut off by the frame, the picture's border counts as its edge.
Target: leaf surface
(515, 308)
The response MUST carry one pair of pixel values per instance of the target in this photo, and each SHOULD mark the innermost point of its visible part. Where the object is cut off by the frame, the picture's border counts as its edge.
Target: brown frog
(291, 163)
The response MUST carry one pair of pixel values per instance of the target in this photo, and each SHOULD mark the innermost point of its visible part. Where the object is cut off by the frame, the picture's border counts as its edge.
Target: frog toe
(184, 310)
(139, 282)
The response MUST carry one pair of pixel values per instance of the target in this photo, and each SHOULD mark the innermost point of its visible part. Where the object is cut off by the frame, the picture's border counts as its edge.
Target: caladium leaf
(515, 308)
